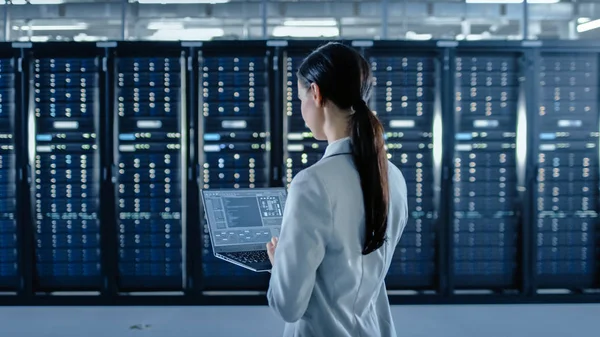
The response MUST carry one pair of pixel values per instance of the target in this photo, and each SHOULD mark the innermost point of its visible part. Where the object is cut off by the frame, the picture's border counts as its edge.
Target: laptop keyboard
(249, 257)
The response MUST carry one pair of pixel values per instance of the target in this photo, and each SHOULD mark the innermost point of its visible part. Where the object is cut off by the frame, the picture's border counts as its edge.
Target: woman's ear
(316, 95)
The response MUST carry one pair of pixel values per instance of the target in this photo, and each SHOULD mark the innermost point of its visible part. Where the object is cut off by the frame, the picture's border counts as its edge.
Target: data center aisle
(411, 321)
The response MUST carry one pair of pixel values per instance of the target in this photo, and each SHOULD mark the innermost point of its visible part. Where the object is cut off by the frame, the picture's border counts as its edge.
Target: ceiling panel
(357, 18)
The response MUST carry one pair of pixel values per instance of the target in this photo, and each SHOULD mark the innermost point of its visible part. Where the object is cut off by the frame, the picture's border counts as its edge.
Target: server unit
(65, 157)
(567, 171)
(485, 196)
(404, 100)
(235, 142)
(9, 277)
(150, 163)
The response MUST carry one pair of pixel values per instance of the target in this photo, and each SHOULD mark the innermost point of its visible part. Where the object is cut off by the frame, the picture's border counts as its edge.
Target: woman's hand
(271, 246)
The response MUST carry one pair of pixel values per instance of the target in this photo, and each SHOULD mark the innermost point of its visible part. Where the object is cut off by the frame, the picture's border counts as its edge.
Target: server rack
(150, 166)
(566, 167)
(64, 165)
(406, 98)
(234, 150)
(487, 215)
(10, 236)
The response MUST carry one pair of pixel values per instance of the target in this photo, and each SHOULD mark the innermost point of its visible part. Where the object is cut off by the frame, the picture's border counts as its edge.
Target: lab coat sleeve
(307, 225)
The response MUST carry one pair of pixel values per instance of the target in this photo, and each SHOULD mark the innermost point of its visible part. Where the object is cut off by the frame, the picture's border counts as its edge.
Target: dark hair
(344, 79)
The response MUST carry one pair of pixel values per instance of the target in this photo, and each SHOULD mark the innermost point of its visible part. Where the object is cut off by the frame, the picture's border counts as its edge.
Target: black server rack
(151, 167)
(9, 276)
(485, 194)
(301, 149)
(235, 139)
(567, 171)
(404, 99)
(64, 155)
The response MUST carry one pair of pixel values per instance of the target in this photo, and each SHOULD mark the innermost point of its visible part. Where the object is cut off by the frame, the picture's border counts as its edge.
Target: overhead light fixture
(473, 37)
(83, 37)
(590, 25)
(190, 34)
(512, 1)
(169, 2)
(311, 23)
(287, 31)
(583, 20)
(77, 26)
(36, 2)
(34, 38)
(410, 35)
(158, 25)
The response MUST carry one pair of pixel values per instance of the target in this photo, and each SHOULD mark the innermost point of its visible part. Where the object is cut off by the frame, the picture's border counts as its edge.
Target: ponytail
(340, 71)
(370, 159)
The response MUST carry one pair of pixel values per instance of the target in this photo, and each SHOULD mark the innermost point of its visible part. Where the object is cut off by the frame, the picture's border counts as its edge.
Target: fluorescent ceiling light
(82, 37)
(511, 1)
(475, 37)
(164, 2)
(285, 31)
(34, 38)
(192, 34)
(77, 26)
(584, 27)
(165, 25)
(37, 2)
(583, 20)
(421, 37)
(311, 23)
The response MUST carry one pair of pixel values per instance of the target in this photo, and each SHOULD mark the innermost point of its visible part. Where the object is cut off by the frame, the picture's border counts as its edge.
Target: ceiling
(236, 19)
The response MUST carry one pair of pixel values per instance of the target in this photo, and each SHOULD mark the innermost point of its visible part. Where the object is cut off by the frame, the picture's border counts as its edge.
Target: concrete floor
(411, 321)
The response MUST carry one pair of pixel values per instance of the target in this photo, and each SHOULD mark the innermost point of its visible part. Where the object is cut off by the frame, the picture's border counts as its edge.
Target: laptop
(242, 221)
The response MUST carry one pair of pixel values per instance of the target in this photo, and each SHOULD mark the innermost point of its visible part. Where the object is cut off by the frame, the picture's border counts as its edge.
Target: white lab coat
(321, 284)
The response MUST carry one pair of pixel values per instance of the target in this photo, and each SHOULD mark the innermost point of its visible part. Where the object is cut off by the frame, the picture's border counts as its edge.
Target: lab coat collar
(340, 146)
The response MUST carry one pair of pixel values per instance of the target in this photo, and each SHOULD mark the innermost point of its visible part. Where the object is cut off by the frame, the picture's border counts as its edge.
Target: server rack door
(151, 168)
(567, 171)
(486, 214)
(301, 149)
(9, 278)
(65, 156)
(234, 141)
(404, 99)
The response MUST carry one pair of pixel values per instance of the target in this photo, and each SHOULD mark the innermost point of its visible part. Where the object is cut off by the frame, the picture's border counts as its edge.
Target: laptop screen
(243, 217)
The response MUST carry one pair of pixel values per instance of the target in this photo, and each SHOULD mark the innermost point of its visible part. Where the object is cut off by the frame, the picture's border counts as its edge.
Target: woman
(344, 215)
